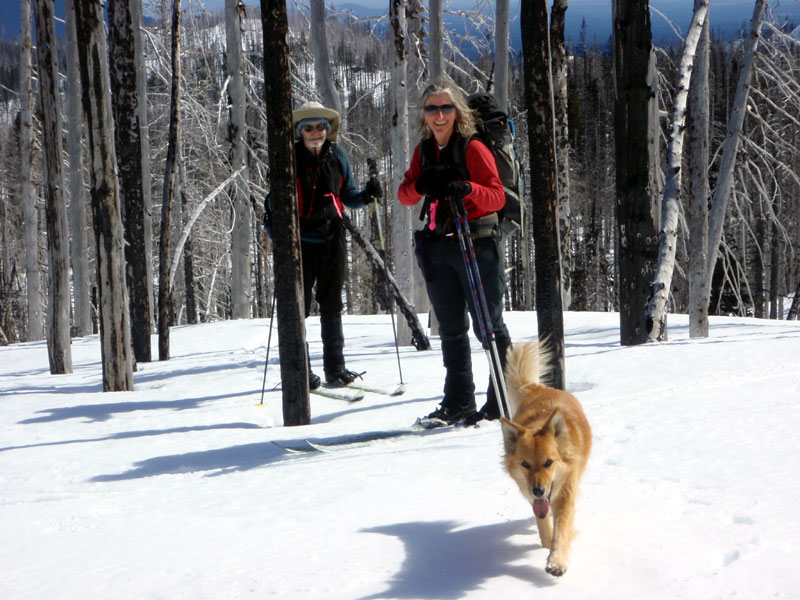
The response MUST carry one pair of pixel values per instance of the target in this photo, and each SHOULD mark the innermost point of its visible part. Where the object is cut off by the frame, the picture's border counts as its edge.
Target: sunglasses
(314, 126)
(432, 109)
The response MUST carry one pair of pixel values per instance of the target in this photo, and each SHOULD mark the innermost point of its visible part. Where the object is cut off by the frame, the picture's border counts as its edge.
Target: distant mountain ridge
(728, 17)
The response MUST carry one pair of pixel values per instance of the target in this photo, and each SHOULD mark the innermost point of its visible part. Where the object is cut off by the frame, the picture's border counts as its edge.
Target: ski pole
(272, 310)
(269, 343)
(481, 307)
(373, 172)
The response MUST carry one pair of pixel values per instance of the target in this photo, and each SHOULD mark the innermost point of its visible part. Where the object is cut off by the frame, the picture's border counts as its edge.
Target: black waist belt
(484, 227)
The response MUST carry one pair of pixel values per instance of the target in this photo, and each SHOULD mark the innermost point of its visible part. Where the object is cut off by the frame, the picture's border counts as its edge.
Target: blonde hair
(465, 119)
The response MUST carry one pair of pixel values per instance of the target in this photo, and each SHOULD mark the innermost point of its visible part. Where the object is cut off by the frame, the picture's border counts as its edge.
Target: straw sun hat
(315, 110)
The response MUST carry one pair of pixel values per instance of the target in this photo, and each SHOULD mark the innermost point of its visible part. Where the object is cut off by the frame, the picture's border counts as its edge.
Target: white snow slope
(176, 490)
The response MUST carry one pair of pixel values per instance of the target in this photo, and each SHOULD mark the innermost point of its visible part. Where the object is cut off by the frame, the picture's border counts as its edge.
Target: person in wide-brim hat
(314, 111)
(325, 186)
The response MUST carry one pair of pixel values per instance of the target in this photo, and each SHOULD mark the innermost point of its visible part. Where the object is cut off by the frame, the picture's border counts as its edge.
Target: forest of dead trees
(757, 271)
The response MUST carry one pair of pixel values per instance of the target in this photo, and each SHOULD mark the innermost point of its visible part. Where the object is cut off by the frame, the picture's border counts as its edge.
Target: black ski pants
(324, 267)
(442, 264)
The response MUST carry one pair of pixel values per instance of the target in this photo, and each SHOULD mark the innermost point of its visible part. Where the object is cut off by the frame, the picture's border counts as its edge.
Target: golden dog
(547, 444)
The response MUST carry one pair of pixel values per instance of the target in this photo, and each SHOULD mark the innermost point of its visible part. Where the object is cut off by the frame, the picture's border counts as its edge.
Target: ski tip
(295, 450)
(399, 390)
(318, 447)
(359, 395)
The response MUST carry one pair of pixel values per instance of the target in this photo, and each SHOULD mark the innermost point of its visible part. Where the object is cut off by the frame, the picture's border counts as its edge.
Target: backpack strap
(460, 154)
(456, 159)
(457, 153)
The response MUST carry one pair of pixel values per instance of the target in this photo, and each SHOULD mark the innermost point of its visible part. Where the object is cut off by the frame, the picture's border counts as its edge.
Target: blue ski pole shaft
(482, 312)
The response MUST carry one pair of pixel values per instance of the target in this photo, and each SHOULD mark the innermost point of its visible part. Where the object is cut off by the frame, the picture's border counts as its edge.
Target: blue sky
(725, 14)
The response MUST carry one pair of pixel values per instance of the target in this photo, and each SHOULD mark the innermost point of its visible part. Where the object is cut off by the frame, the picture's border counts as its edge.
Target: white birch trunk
(241, 283)
(180, 239)
(58, 314)
(558, 62)
(33, 278)
(657, 310)
(698, 186)
(417, 53)
(415, 71)
(730, 147)
(322, 61)
(398, 103)
(79, 244)
(501, 55)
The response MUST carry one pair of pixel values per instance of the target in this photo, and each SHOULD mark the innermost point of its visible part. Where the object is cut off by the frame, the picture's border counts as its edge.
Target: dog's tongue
(540, 507)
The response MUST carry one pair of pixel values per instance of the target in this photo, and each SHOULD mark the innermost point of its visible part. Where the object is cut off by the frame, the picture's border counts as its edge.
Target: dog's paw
(555, 569)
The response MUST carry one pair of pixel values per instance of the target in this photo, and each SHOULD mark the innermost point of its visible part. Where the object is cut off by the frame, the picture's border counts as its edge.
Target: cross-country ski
(397, 390)
(339, 393)
(357, 440)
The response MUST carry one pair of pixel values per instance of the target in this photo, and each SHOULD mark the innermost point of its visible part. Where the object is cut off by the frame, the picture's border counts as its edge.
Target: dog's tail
(526, 365)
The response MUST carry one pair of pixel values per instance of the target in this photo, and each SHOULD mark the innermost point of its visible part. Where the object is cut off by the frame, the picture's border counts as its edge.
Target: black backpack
(496, 130)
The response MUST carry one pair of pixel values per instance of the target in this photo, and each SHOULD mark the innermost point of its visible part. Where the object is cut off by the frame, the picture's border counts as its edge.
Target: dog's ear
(556, 423)
(511, 432)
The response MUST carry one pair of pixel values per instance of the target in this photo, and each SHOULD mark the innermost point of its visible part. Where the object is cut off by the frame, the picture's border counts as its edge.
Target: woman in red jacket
(449, 163)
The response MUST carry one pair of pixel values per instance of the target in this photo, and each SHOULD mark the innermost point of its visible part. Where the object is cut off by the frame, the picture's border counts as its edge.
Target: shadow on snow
(443, 561)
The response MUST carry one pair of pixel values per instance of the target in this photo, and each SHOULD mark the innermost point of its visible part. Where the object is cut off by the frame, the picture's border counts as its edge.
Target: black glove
(430, 185)
(443, 216)
(373, 188)
(457, 190)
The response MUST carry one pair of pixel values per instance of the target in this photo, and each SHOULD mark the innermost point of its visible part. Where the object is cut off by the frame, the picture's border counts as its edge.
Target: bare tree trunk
(759, 293)
(657, 309)
(774, 268)
(33, 278)
(698, 186)
(241, 281)
(416, 70)
(144, 138)
(188, 260)
(322, 60)
(636, 133)
(58, 317)
(794, 309)
(165, 238)
(285, 218)
(501, 55)
(115, 334)
(435, 35)
(730, 147)
(79, 245)
(558, 56)
(541, 136)
(125, 101)
(417, 66)
(398, 105)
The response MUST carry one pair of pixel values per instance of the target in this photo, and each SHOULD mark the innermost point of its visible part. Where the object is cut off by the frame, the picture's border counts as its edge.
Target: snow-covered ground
(176, 490)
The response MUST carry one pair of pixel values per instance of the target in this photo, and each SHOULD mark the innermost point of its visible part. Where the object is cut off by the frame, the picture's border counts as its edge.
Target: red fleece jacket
(487, 195)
